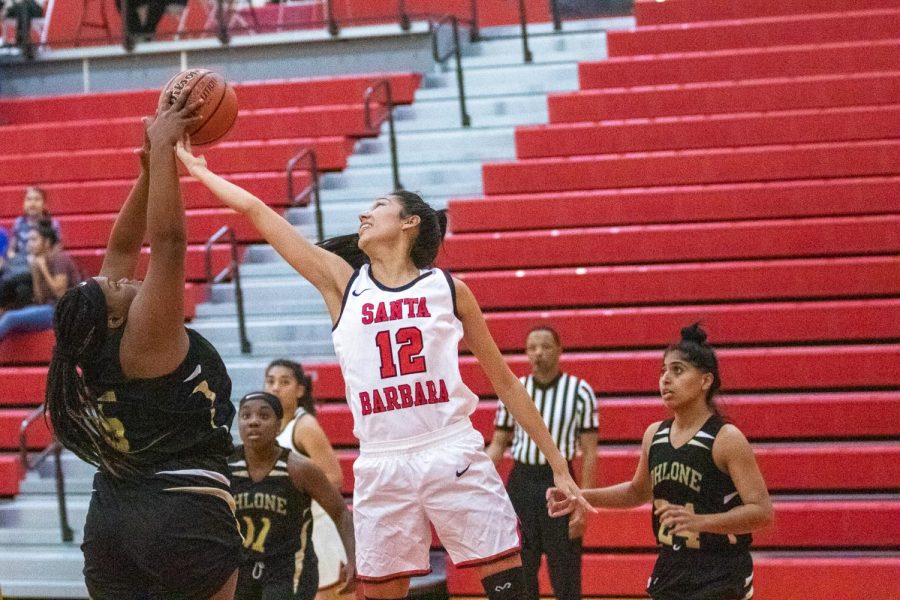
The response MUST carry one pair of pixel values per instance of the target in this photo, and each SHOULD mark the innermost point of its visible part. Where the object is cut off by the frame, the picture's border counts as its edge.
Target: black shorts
(142, 542)
(693, 575)
(276, 579)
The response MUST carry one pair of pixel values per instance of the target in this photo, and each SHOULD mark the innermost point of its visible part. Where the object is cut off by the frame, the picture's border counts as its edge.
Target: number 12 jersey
(398, 350)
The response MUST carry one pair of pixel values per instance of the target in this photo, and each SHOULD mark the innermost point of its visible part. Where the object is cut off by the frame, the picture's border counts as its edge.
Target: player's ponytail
(695, 350)
(432, 227)
(79, 323)
(347, 247)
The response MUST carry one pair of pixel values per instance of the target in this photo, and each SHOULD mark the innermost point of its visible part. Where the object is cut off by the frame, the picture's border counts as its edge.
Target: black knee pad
(505, 585)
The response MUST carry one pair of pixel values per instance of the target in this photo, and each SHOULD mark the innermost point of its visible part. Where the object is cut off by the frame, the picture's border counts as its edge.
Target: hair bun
(693, 333)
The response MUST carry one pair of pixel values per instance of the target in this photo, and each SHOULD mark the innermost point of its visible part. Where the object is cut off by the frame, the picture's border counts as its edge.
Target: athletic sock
(505, 585)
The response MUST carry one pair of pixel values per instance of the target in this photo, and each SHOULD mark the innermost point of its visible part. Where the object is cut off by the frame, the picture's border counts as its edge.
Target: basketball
(219, 109)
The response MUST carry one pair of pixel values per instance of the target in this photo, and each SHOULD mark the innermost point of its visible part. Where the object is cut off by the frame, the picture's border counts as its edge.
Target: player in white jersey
(302, 433)
(397, 324)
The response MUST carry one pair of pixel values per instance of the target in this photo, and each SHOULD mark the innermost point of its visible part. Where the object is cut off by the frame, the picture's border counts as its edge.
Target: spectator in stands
(34, 210)
(143, 16)
(568, 407)
(51, 273)
(700, 473)
(302, 433)
(278, 531)
(23, 11)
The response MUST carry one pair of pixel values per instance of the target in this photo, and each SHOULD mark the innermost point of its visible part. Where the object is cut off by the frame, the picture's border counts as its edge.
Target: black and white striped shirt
(569, 408)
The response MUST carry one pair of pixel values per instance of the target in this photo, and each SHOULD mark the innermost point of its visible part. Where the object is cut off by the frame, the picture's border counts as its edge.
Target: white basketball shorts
(444, 478)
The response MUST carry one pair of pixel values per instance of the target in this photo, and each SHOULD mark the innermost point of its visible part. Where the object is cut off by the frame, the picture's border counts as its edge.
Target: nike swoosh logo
(360, 291)
(676, 547)
(461, 473)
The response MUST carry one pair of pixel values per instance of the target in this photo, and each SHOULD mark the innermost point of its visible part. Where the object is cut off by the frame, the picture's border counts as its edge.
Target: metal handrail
(403, 16)
(384, 84)
(302, 199)
(333, 27)
(454, 50)
(27, 465)
(557, 19)
(474, 29)
(234, 271)
(523, 22)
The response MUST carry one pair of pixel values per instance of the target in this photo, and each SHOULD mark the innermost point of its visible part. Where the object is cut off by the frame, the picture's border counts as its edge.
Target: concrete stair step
(510, 79)
(285, 330)
(426, 147)
(413, 176)
(368, 193)
(65, 588)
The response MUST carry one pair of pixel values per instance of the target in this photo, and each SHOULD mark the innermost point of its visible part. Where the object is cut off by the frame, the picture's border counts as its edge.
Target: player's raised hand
(171, 123)
(143, 152)
(186, 155)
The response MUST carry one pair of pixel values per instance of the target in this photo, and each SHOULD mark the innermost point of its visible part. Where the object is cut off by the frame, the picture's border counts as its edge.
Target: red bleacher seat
(227, 157)
(90, 260)
(673, 243)
(650, 12)
(753, 323)
(686, 167)
(125, 132)
(107, 196)
(686, 282)
(781, 577)
(251, 95)
(681, 204)
(710, 131)
(38, 435)
(717, 97)
(733, 65)
(25, 349)
(814, 28)
(10, 474)
(849, 415)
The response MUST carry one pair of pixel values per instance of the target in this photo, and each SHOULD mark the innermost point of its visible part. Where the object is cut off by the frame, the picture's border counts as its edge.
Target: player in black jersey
(700, 473)
(132, 391)
(273, 488)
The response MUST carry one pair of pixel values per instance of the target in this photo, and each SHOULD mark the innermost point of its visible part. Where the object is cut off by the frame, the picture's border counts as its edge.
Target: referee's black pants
(541, 534)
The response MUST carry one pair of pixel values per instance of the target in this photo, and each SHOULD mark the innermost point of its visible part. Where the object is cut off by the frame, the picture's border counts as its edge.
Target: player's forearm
(131, 223)
(345, 529)
(738, 520)
(233, 196)
(165, 211)
(588, 468)
(621, 495)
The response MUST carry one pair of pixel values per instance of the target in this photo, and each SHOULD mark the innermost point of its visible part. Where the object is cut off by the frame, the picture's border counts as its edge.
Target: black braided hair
(79, 323)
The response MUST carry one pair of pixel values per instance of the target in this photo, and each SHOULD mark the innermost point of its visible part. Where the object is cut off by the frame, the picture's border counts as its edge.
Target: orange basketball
(219, 109)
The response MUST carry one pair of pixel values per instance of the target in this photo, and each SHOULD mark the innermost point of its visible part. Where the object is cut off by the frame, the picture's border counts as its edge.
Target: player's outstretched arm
(510, 390)
(123, 250)
(627, 494)
(154, 342)
(310, 479)
(308, 434)
(731, 453)
(326, 271)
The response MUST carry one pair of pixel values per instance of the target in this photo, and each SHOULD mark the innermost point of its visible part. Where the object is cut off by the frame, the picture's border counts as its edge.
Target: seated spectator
(52, 273)
(34, 210)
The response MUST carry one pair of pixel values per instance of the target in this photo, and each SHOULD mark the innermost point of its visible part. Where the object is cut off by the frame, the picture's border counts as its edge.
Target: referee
(568, 407)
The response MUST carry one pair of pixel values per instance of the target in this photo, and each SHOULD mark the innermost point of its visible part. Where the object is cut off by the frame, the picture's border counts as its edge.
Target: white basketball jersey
(398, 349)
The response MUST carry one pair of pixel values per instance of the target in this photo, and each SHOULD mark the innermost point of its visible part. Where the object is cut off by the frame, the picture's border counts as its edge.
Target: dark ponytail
(306, 401)
(695, 350)
(79, 323)
(432, 228)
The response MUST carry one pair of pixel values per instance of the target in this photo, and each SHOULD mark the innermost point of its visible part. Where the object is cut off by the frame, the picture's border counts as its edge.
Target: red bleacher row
(596, 328)
(652, 12)
(776, 577)
(779, 416)
(253, 95)
(823, 368)
(715, 97)
(778, 30)
(710, 131)
(677, 204)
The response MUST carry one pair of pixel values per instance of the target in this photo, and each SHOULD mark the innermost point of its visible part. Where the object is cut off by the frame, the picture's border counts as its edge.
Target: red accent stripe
(393, 576)
(484, 561)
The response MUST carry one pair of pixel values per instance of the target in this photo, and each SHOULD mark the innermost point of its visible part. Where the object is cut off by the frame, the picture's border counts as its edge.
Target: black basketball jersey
(177, 421)
(688, 476)
(274, 516)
